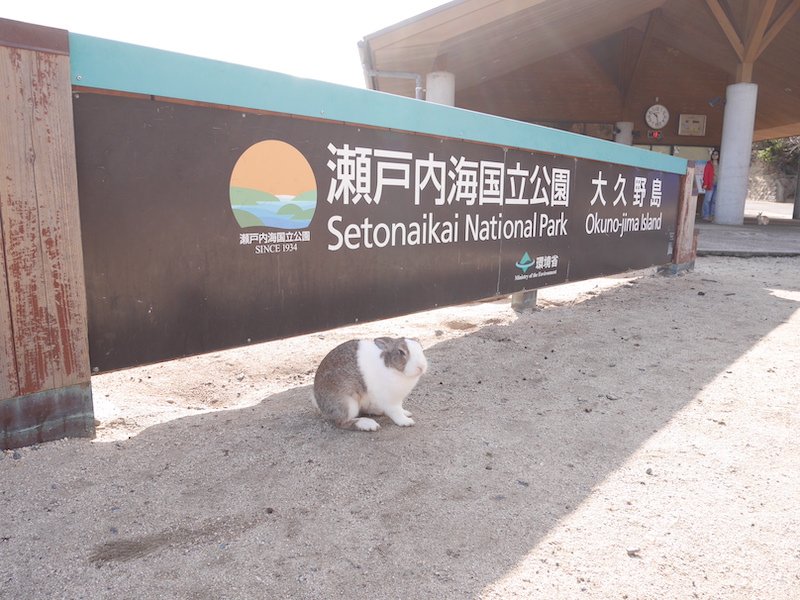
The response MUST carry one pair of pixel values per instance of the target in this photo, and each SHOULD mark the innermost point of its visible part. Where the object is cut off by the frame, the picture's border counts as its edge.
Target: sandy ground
(636, 438)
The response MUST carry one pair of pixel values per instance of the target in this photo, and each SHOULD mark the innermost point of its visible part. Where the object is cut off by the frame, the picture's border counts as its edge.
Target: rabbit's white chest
(386, 387)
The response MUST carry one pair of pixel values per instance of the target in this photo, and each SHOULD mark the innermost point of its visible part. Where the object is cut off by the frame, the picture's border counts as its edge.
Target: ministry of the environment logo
(272, 185)
(543, 266)
(525, 263)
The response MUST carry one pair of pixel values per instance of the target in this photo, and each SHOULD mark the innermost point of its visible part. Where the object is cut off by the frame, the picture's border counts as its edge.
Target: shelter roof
(601, 61)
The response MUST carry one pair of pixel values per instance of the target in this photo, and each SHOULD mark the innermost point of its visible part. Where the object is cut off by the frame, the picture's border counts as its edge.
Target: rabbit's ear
(382, 343)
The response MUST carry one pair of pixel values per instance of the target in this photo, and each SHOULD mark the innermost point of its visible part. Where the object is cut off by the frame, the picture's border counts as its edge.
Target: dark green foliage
(781, 154)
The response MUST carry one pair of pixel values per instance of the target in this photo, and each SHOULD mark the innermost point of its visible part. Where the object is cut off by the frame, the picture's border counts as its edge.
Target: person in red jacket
(710, 174)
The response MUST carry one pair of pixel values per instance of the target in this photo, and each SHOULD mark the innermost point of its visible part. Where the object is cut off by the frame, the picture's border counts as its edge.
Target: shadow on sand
(516, 426)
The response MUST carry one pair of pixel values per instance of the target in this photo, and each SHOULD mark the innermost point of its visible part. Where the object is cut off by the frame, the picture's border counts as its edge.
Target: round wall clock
(656, 116)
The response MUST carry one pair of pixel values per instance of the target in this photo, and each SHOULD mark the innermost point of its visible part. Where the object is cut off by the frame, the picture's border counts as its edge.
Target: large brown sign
(207, 228)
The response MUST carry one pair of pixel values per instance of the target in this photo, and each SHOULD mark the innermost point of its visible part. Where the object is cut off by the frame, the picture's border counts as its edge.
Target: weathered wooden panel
(9, 385)
(59, 220)
(20, 217)
(43, 341)
(45, 389)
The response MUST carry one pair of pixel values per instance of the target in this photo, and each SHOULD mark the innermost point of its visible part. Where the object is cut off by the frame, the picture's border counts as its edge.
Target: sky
(315, 39)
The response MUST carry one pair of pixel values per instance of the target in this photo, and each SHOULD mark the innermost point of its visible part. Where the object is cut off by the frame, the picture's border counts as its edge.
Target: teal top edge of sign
(110, 65)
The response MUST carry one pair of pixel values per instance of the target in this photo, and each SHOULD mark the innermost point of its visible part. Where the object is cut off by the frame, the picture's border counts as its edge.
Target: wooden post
(685, 250)
(45, 379)
(524, 301)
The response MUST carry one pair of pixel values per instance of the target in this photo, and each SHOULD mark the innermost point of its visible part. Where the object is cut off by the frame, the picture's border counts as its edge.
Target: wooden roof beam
(758, 20)
(727, 27)
(778, 25)
(628, 86)
(759, 33)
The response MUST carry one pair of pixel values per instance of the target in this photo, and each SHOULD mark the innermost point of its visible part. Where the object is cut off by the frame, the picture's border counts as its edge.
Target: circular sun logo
(272, 185)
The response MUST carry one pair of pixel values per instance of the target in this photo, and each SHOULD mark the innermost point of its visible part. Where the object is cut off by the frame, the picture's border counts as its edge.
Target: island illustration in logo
(272, 185)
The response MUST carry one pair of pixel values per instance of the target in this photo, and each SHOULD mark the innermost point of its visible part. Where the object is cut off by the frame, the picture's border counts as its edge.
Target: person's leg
(706, 204)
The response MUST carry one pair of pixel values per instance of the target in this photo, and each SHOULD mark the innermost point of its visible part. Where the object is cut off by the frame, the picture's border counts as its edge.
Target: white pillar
(734, 160)
(624, 133)
(441, 88)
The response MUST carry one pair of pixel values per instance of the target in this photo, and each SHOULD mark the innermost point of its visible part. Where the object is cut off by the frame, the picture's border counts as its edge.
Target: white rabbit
(368, 377)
